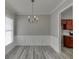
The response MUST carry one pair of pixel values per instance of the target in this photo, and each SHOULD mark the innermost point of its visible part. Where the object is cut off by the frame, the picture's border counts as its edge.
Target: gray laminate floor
(68, 52)
(34, 52)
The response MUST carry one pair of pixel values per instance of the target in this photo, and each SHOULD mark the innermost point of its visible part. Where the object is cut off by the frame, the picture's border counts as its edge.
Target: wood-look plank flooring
(68, 52)
(34, 52)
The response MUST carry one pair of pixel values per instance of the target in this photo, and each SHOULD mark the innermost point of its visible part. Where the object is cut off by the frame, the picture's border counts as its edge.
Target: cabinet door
(63, 21)
(68, 41)
(63, 24)
(69, 24)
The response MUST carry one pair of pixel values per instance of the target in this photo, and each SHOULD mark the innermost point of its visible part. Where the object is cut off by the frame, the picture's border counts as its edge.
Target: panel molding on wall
(55, 43)
(33, 40)
(38, 40)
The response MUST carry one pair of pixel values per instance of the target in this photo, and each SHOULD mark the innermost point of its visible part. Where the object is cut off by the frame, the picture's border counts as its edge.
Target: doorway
(66, 31)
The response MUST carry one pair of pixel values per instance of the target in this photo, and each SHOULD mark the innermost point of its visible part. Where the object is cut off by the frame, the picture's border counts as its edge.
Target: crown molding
(57, 7)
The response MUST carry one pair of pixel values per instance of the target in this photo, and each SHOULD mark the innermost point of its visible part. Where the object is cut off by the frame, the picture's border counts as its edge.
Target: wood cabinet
(67, 24)
(68, 41)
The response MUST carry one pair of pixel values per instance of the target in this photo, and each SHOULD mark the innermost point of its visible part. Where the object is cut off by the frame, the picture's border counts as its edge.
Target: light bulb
(37, 19)
(34, 16)
(28, 17)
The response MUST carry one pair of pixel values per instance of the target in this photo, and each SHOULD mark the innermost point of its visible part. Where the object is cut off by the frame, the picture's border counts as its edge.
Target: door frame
(59, 15)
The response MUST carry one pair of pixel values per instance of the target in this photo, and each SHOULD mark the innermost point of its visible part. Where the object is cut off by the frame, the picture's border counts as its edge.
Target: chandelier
(32, 18)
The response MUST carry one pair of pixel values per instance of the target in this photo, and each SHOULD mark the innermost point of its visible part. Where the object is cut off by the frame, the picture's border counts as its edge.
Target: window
(8, 30)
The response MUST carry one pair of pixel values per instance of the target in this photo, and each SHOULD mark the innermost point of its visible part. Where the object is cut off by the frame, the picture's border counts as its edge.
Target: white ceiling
(41, 7)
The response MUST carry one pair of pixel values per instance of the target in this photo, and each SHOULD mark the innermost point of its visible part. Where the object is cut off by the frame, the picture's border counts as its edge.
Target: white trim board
(66, 8)
(57, 7)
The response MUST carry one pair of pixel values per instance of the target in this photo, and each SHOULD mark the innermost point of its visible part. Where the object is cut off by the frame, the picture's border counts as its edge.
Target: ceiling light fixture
(33, 18)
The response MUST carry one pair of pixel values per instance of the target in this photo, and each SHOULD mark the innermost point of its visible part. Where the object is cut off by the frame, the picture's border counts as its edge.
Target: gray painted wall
(9, 13)
(67, 14)
(55, 25)
(23, 27)
(55, 21)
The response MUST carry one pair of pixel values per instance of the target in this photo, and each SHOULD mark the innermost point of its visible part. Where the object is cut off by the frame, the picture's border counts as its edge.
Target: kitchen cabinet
(67, 24)
(68, 41)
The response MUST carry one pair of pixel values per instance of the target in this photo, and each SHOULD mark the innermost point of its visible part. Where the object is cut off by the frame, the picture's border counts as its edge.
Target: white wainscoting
(55, 43)
(38, 40)
(33, 40)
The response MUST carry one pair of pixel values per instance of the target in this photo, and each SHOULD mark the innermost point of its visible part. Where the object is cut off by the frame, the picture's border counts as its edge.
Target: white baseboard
(9, 47)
